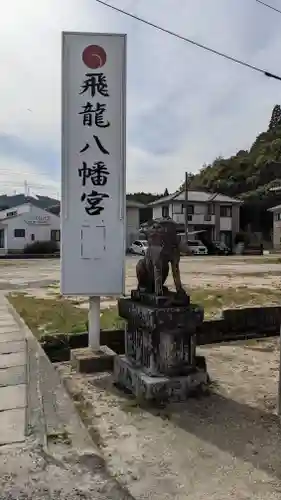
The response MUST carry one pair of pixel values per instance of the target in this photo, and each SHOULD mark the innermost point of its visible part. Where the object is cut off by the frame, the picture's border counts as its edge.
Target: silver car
(139, 247)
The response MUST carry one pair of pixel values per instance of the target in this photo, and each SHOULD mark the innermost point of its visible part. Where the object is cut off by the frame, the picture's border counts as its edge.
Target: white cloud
(179, 96)
(14, 177)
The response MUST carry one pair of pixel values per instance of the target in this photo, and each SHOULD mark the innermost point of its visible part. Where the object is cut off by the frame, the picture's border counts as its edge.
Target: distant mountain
(12, 201)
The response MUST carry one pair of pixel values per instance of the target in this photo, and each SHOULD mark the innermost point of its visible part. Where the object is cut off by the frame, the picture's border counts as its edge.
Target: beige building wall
(276, 233)
(133, 224)
(217, 221)
(235, 219)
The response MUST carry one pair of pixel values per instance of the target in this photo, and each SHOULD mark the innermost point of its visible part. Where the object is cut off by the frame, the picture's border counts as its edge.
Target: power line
(189, 40)
(269, 6)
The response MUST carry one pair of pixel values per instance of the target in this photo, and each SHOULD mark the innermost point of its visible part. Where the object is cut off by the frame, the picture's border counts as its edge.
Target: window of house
(277, 216)
(19, 233)
(165, 211)
(11, 214)
(32, 237)
(177, 208)
(225, 211)
(190, 209)
(55, 235)
(210, 209)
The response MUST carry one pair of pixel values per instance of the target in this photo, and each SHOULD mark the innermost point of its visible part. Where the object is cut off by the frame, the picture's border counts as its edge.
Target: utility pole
(186, 208)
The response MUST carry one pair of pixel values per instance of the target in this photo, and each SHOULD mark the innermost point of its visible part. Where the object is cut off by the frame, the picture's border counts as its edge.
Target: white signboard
(39, 219)
(93, 164)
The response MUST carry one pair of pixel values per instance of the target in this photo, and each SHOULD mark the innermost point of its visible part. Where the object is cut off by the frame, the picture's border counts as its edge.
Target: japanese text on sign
(94, 175)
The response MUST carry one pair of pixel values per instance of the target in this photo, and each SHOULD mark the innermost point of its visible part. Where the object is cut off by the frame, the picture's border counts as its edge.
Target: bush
(41, 247)
(241, 238)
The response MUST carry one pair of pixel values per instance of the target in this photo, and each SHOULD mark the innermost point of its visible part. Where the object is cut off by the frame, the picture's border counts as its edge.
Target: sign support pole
(186, 208)
(279, 381)
(94, 323)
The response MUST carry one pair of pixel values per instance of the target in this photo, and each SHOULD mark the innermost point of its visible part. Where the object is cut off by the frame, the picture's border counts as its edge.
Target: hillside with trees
(249, 175)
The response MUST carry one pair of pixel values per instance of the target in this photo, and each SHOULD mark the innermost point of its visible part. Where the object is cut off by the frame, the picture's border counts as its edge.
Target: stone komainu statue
(163, 248)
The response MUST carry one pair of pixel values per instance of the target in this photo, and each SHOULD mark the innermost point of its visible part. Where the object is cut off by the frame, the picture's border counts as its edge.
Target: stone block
(16, 375)
(161, 318)
(11, 336)
(12, 397)
(13, 359)
(11, 347)
(252, 318)
(12, 426)
(166, 353)
(87, 360)
(168, 299)
(145, 387)
(161, 340)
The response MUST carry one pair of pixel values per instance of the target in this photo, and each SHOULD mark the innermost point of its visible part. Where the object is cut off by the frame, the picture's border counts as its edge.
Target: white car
(197, 248)
(139, 247)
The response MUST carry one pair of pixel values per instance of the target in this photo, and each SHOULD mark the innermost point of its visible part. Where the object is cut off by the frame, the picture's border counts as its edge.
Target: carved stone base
(169, 299)
(159, 389)
(160, 340)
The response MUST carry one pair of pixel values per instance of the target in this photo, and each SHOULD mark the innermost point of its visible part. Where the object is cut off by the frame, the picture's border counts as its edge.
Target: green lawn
(60, 315)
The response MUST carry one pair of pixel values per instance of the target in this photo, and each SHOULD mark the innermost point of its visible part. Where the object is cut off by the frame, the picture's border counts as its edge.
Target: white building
(217, 214)
(24, 224)
(276, 233)
(133, 209)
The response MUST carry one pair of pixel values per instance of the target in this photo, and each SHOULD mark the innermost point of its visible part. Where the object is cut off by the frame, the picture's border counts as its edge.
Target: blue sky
(185, 106)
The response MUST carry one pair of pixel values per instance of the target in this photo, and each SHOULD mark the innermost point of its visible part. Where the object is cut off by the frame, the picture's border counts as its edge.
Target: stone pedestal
(87, 360)
(160, 347)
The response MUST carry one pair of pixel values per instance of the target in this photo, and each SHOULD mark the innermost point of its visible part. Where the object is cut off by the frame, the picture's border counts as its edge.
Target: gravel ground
(223, 445)
(45, 477)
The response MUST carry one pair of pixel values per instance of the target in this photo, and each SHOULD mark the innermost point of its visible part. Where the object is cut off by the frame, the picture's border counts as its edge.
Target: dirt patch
(225, 445)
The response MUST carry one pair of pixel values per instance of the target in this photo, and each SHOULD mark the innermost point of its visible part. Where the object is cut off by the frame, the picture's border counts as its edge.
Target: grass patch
(58, 315)
(214, 300)
(262, 260)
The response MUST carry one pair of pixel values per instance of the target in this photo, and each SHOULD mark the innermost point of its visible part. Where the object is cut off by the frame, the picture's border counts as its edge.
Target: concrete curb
(51, 414)
(35, 425)
(49, 408)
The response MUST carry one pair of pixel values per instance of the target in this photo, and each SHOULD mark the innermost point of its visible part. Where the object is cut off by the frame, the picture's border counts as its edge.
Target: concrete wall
(235, 219)
(133, 224)
(276, 230)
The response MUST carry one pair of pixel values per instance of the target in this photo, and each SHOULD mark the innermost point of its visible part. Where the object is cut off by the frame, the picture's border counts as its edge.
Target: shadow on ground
(243, 431)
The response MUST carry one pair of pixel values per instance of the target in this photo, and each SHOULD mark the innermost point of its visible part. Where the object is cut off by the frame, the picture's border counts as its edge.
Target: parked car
(139, 247)
(197, 248)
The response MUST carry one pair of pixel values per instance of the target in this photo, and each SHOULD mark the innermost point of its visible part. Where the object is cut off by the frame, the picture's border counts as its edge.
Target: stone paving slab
(12, 426)
(12, 397)
(12, 336)
(8, 329)
(15, 375)
(7, 321)
(11, 347)
(14, 359)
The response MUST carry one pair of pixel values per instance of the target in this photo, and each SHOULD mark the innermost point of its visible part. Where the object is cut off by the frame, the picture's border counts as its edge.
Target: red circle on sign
(94, 56)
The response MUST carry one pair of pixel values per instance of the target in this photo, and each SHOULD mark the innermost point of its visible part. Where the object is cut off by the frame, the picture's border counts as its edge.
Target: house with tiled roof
(214, 213)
